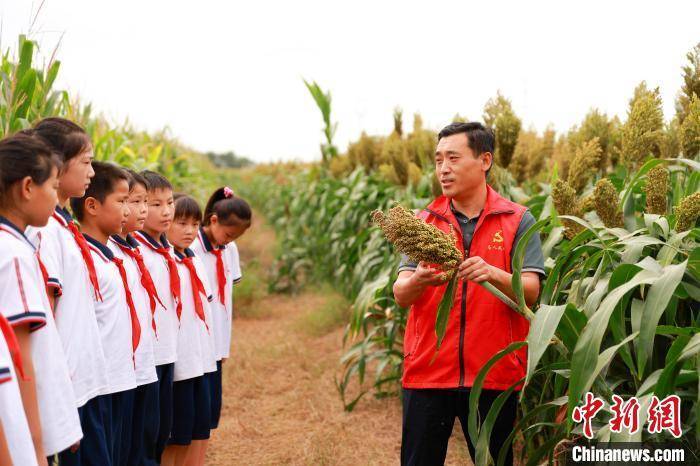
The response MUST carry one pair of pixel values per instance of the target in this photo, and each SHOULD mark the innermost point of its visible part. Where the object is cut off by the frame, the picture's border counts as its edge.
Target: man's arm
(477, 270)
(411, 284)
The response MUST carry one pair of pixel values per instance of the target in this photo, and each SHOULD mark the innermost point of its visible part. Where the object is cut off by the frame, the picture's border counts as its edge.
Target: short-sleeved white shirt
(190, 350)
(165, 346)
(223, 312)
(207, 333)
(23, 301)
(144, 357)
(12, 417)
(74, 308)
(113, 319)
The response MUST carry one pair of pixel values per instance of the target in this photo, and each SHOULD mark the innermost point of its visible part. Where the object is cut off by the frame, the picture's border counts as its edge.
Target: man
(488, 228)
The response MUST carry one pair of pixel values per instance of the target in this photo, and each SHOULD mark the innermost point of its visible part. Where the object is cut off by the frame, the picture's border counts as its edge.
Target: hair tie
(228, 192)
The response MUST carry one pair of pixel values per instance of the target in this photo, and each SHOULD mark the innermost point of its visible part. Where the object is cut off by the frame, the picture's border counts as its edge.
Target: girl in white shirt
(226, 218)
(28, 194)
(196, 355)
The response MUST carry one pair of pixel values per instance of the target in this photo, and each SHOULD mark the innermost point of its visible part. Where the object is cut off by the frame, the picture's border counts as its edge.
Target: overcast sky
(227, 75)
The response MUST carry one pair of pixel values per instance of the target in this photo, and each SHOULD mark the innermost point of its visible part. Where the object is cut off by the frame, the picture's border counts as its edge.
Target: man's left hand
(475, 269)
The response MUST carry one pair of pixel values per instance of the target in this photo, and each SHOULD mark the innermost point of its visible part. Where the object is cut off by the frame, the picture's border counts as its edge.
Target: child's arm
(4, 449)
(27, 388)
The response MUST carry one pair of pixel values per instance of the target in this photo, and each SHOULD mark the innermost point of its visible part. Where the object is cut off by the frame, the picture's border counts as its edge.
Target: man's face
(457, 168)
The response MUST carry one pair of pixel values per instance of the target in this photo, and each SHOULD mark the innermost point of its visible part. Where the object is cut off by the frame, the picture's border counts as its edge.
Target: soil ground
(280, 403)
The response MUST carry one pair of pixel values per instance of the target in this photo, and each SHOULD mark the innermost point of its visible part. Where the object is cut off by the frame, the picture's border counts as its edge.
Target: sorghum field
(617, 202)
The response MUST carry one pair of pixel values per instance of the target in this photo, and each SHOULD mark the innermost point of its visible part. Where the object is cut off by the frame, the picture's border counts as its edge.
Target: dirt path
(281, 405)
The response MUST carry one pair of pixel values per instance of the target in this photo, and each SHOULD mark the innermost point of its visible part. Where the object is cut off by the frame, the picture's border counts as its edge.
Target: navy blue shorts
(165, 401)
(191, 410)
(95, 420)
(216, 395)
(122, 417)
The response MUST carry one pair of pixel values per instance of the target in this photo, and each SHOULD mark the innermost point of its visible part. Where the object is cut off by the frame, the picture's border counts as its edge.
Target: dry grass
(280, 402)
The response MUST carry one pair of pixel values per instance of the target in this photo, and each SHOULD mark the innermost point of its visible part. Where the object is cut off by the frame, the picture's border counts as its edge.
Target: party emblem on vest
(496, 240)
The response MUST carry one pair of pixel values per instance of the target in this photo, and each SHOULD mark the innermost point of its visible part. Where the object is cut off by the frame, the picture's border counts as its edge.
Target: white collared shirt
(223, 313)
(24, 302)
(12, 417)
(165, 346)
(74, 308)
(144, 357)
(114, 320)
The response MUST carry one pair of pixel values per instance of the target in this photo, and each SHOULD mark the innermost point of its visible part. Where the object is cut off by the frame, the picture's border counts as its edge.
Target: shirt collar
(62, 215)
(151, 241)
(205, 241)
(124, 243)
(12, 229)
(188, 253)
(103, 250)
(132, 241)
(462, 217)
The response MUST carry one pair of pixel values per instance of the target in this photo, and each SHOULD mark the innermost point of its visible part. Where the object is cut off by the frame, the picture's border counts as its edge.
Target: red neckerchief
(172, 271)
(84, 251)
(146, 281)
(197, 289)
(135, 326)
(220, 274)
(12, 345)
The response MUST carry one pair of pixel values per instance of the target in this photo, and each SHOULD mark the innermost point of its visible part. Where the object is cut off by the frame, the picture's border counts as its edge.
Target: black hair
(63, 136)
(102, 185)
(480, 138)
(22, 155)
(186, 207)
(156, 180)
(229, 210)
(136, 178)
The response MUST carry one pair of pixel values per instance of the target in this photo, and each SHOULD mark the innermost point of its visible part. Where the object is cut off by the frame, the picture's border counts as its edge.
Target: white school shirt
(23, 301)
(190, 348)
(12, 417)
(223, 312)
(207, 333)
(75, 311)
(165, 346)
(113, 319)
(144, 357)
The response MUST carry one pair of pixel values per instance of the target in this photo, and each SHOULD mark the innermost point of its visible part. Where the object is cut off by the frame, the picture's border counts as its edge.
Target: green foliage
(228, 160)
(323, 102)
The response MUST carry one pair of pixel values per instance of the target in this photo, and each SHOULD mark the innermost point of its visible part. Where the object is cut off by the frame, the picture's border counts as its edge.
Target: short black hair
(480, 138)
(156, 180)
(23, 155)
(102, 185)
(136, 178)
(63, 136)
(186, 207)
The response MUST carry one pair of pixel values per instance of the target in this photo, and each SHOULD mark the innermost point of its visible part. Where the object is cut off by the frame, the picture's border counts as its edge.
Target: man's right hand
(411, 284)
(425, 275)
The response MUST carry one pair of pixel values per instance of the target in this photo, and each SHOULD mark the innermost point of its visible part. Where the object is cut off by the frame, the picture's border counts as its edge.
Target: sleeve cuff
(55, 285)
(237, 280)
(5, 375)
(406, 268)
(35, 320)
(210, 298)
(532, 269)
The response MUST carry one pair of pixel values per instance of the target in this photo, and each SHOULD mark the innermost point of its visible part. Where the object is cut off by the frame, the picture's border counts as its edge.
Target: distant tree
(229, 160)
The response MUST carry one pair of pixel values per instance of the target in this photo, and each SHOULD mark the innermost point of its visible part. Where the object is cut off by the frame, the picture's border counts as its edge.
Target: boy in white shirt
(160, 262)
(103, 212)
(146, 301)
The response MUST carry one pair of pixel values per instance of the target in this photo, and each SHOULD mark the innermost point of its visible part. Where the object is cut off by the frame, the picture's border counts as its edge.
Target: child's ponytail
(229, 209)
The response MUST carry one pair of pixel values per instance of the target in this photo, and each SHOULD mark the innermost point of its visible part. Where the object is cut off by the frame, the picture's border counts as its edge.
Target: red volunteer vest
(479, 324)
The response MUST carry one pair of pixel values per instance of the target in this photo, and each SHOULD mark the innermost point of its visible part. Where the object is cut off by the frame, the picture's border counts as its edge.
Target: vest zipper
(462, 331)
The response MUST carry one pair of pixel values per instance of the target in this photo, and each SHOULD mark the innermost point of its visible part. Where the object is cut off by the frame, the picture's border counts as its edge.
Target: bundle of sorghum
(607, 204)
(420, 241)
(656, 189)
(688, 212)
